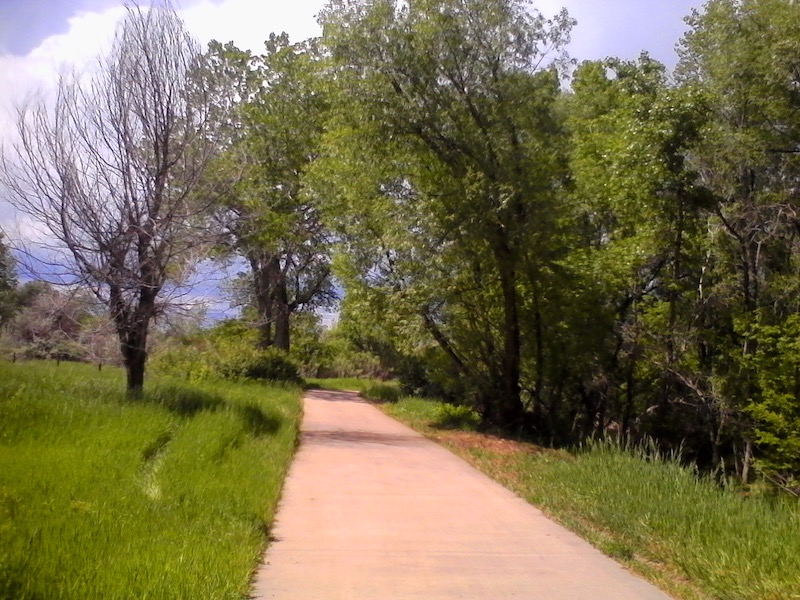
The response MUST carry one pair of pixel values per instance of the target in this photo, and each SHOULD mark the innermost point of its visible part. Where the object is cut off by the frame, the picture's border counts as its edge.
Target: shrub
(229, 352)
(382, 392)
(54, 349)
(431, 374)
(450, 416)
(270, 364)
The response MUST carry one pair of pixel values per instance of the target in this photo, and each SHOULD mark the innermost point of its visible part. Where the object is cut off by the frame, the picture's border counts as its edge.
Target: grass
(345, 384)
(169, 496)
(681, 531)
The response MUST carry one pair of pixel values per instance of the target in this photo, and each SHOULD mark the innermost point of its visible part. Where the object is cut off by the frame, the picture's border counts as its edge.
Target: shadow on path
(338, 438)
(335, 396)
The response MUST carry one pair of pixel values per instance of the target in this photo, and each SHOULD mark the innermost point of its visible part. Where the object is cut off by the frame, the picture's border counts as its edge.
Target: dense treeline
(572, 248)
(619, 255)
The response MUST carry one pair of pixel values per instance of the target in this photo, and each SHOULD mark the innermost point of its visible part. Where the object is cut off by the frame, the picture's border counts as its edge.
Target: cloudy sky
(40, 37)
(65, 30)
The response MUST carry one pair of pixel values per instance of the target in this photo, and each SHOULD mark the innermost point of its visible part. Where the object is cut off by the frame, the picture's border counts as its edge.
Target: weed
(450, 416)
(381, 392)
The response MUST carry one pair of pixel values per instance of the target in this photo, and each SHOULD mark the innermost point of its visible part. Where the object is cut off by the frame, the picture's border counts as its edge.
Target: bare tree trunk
(537, 319)
(629, 400)
(134, 370)
(261, 266)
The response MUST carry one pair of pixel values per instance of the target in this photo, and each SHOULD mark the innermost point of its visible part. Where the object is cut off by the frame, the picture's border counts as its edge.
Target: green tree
(642, 220)
(744, 54)
(272, 138)
(456, 100)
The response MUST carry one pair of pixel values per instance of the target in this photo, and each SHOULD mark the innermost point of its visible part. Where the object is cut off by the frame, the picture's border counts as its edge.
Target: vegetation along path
(371, 509)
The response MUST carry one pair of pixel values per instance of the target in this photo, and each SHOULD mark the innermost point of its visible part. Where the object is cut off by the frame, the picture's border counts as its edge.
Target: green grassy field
(681, 531)
(170, 496)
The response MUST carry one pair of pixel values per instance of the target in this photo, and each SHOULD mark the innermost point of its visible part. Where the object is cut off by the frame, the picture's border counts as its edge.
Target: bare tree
(111, 171)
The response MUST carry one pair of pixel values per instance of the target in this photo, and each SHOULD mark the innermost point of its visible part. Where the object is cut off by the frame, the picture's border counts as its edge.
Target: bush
(54, 349)
(450, 416)
(266, 365)
(381, 392)
(229, 352)
(431, 374)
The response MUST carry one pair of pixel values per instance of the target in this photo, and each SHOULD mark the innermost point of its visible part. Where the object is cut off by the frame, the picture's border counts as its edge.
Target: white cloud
(249, 22)
(89, 33)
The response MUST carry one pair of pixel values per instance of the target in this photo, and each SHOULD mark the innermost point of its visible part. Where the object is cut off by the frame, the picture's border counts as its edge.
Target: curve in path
(372, 510)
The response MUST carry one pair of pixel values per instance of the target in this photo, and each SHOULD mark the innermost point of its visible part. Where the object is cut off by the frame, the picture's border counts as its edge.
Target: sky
(66, 30)
(40, 38)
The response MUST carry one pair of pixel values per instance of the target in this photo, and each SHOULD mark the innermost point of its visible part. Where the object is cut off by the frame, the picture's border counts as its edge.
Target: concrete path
(372, 510)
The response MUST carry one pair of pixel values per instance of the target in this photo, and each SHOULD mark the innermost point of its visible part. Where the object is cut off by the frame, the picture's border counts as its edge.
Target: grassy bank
(681, 531)
(169, 496)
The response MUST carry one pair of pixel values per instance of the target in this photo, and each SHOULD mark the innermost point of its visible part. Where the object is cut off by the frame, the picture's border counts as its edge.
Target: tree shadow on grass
(187, 402)
(183, 401)
(257, 422)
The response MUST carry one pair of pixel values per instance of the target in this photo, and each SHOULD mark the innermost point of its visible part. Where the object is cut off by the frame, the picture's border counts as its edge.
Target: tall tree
(268, 217)
(643, 221)
(744, 54)
(460, 96)
(110, 171)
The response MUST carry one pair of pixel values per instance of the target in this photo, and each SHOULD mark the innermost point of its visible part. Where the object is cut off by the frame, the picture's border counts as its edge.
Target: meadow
(167, 496)
(692, 537)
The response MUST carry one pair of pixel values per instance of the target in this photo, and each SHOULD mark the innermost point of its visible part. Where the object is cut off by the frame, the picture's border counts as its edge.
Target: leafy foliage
(612, 258)
(228, 351)
(445, 145)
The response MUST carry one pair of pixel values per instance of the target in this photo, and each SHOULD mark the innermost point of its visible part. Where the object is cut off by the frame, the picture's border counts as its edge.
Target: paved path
(372, 510)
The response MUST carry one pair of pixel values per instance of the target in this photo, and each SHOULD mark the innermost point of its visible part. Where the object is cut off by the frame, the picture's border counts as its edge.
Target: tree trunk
(133, 345)
(748, 456)
(266, 318)
(508, 411)
(282, 313)
(262, 289)
(537, 320)
(629, 400)
(134, 369)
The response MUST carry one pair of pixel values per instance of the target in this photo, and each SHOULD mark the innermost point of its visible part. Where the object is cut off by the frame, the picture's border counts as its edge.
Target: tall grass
(635, 504)
(681, 530)
(169, 496)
